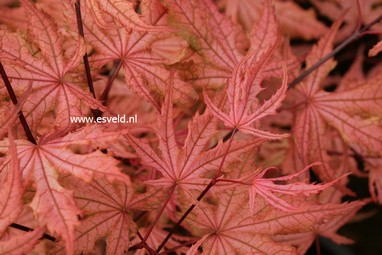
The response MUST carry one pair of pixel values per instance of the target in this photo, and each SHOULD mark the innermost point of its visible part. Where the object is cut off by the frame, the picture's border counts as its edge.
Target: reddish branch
(356, 35)
(200, 197)
(29, 134)
(96, 113)
(13, 97)
(112, 76)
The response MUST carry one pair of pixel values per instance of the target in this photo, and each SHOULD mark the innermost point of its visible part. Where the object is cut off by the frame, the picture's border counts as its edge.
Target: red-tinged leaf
(265, 33)
(375, 179)
(324, 46)
(358, 99)
(13, 18)
(321, 110)
(364, 135)
(376, 49)
(217, 50)
(53, 205)
(11, 188)
(194, 248)
(304, 240)
(289, 14)
(183, 166)
(107, 212)
(144, 70)
(40, 60)
(10, 114)
(351, 112)
(124, 12)
(309, 131)
(231, 228)
(172, 49)
(228, 228)
(22, 243)
(368, 11)
(265, 187)
(242, 91)
(156, 237)
(213, 34)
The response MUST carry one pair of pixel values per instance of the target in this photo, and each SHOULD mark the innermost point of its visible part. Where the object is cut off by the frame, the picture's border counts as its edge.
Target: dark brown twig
(26, 229)
(200, 197)
(13, 97)
(96, 112)
(113, 75)
(356, 35)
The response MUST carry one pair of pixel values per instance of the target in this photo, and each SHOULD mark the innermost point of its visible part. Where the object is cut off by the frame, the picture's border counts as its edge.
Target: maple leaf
(40, 59)
(183, 166)
(53, 205)
(375, 178)
(228, 227)
(11, 188)
(242, 91)
(368, 10)
(9, 114)
(22, 243)
(156, 237)
(265, 187)
(350, 112)
(209, 33)
(107, 214)
(125, 13)
(214, 39)
(289, 14)
(304, 240)
(144, 70)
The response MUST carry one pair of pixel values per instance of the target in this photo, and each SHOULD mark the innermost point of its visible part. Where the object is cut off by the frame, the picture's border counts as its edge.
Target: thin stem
(231, 181)
(141, 244)
(27, 229)
(352, 38)
(148, 248)
(200, 197)
(112, 77)
(29, 134)
(96, 112)
(160, 213)
(13, 97)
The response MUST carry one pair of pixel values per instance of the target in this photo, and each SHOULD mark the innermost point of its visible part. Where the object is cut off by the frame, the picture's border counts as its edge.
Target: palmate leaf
(242, 91)
(351, 112)
(267, 189)
(214, 39)
(118, 40)
(107, 214)
(124, 12)
(305, 239)
(11, 188)
(225, 231)
(289, 14)
(184, 166)
(40, 60)
(41, 164)
(22, 243)
(10, 113)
